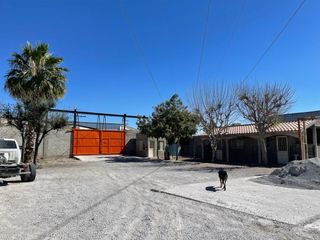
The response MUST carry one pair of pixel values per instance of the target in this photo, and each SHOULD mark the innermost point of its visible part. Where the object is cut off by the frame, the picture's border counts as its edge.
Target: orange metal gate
(95, 142)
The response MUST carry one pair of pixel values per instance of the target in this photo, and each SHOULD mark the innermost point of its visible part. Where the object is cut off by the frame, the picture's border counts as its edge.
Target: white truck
(10, 162)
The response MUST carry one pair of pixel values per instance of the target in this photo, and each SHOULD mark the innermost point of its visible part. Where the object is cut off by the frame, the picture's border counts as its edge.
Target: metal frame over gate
(97, 141)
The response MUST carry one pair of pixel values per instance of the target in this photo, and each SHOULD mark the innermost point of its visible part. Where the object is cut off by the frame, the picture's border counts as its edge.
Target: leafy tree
(170, 120)
(262, 105)
(36, 80)
(215, 105)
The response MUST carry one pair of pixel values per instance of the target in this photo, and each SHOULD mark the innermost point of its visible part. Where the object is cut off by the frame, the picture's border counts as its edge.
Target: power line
(275, 39)
(138, 46)
(203, 40)
(228, 45)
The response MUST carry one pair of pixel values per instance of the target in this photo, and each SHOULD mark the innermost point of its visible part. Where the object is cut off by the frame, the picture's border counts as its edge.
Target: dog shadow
(213, 189)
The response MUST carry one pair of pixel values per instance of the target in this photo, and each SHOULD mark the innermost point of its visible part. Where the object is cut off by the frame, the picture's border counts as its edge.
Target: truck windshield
(7, 144)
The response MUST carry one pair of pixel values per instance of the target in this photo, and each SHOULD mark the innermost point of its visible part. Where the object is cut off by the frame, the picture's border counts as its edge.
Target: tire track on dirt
(164, 217)
(91, 207)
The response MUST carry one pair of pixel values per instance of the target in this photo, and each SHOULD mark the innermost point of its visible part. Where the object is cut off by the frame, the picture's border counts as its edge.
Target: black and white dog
(223, 176)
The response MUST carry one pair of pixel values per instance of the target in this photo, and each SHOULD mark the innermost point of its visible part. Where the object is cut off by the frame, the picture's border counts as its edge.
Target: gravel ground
(112, 200)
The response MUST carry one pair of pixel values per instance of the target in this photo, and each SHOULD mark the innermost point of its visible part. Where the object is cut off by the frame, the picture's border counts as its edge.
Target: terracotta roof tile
(278, 128)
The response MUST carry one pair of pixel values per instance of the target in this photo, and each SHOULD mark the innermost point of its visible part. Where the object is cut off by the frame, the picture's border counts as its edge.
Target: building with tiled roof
(296, 136)
(281, 127)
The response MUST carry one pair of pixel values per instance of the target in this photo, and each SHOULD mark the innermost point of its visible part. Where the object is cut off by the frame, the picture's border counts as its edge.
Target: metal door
(282, 150)
(151, 150)
(96, 142)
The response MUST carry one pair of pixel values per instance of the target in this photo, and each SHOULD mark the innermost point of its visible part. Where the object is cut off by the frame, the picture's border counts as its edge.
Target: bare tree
(262, 104)
(215, 106)
(32, 121)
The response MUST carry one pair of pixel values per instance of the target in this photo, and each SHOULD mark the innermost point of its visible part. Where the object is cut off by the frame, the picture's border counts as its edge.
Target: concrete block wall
(55, 144)
(141, 145)
(130, 147)
(10, 132)
(59, 143)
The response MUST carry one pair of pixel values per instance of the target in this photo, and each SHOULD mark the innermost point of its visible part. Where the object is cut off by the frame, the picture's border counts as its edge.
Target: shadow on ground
(123, 159)
(180, 165)
(207, 169)
(6, 182)
(132, 159)
(213, 189)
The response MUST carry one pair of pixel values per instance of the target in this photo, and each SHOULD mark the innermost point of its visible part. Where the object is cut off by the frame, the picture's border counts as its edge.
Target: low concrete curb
(96, 158)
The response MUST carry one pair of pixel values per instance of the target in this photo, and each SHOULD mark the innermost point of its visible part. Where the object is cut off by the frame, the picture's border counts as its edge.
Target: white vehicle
(10, 162)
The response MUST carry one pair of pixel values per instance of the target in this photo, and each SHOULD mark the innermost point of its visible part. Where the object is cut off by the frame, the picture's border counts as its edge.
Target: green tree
(170, 120)
(36, 80)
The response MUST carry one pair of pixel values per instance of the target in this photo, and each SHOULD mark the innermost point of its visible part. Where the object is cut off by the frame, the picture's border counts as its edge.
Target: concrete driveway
(288, 205)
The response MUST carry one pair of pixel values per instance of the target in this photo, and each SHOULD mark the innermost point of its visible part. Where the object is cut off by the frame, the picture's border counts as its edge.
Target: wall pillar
(202, 150)
(227, 150)
(315, 143)
(259, 150)
(194, 143)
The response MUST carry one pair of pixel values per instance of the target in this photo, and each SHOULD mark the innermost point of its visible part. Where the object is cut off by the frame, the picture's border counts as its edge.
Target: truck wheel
(31, 176)
(33, 172)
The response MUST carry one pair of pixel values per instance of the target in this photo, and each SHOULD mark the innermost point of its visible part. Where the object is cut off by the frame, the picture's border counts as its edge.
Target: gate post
(100, 140)
(124, 132)
(74, 118)
(73, 132)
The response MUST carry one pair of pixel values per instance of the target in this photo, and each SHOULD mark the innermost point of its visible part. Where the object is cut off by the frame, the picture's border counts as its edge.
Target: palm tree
(35, 74)
(36, 80)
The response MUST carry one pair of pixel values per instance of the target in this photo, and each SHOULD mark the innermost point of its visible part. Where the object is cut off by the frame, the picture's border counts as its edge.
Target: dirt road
(112, 200)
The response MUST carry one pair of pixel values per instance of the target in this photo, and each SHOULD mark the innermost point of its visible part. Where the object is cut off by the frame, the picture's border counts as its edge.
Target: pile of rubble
(299, 174)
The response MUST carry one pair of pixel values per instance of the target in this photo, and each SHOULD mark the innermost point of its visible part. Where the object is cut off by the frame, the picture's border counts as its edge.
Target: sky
(112, 47)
